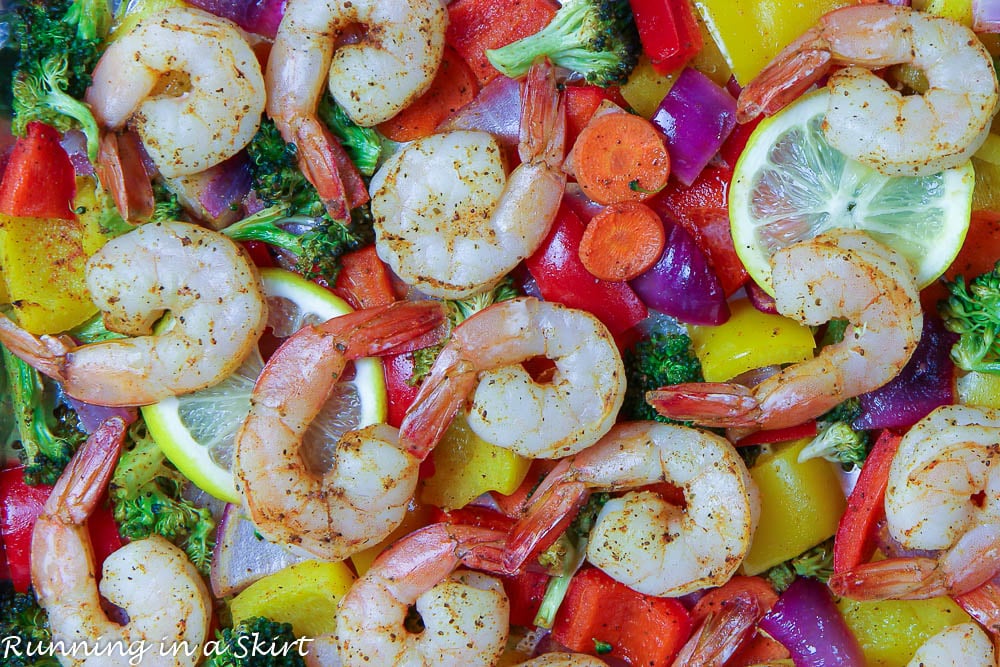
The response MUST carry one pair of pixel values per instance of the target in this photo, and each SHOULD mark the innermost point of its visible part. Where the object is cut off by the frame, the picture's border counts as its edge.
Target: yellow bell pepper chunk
(646, 88)
(956, 10)
(466, 467)
(305, 594)
(975, 388)
(986, 193)
(417, 516)
(138, 11)
(801, 505)
(891, 631)
(749, 339)
(749, 33)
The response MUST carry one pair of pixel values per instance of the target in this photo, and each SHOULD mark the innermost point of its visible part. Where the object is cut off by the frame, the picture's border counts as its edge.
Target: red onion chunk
(228, 185)
(258, 16)
(806, 621)
(241, 556)
(925, 383)
(91, 416)
(584, 207)
(497, 110)
(986, 15)
(696, 116)
(760, 299)
(74, 142)
(682, 284)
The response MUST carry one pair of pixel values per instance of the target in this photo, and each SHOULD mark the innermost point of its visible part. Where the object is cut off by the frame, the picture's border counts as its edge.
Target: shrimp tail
(718, 637)
(894, 578)
(787, 77)
(983, 604)
(442, 394)
(542, 135)
(120, 171)
(86, 477)
(46, 354)
(400, 327)
(707, 403)
(325, 163)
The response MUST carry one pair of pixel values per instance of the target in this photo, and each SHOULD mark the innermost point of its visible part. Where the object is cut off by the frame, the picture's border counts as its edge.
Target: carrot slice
(620, 157)
(622, 241)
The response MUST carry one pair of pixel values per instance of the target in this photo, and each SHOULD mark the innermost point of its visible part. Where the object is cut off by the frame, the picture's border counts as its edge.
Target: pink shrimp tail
(913, 578)
(46, 354)
(707, 403)
(320, 159)
(85, 479)
(543, 116)
(788, 76)
(722, 633)
(442, 394)
(557, 502)
(983, 604)
(399, 327)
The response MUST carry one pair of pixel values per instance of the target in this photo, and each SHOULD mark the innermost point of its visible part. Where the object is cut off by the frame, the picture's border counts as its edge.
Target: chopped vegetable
(39, 181)
(972, 312)
(668, 31)
(146, 492)
(837, 442)
(595, 38)
(620, 157)
(622, 241)
(274, 644)
(581, 104)
(662, 359)
(22, 623)
(816, 563)
(363, 144)
(50, 431)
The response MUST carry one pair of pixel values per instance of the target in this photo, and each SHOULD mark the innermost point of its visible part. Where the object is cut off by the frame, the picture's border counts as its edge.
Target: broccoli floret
(460, 310)
(146, 495)
(816, 563)
(49, 431)
(595, 38)
(24, 628)
(58, 44)
(363, 144)
(662, 359)
(973, 312)
(166, 205)
(838, 443)
(846, 412)
(257, 642)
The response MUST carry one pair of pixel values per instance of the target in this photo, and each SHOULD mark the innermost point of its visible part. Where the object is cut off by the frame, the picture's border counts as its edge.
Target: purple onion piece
(227, 186)
(986, 15)
(925, 383)
(74, 142)
(584, 207)
(696, 117)
(760, 299)
(91, 416)
(241, 557)
(497, 110)
(682, 283)
(806, 621)
(258, 16)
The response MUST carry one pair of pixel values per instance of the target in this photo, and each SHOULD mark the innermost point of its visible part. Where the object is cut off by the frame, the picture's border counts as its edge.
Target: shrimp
(446, 218)
(639, 539)
(188, 82)
(564, 660)
(838, 274)
(722, 633)
(897, 135)
(364, 497)
(465, 614)
(510, 409)
(371, 79)
(168, 605)
(940, 496)
(203, 279)
(962, 645)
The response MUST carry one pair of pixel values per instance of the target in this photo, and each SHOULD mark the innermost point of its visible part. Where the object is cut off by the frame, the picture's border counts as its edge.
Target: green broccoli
(816, 563)
(973, 312)
(458, 311)
(49, 431)
(595, 38)
(24, 629)
(837, 442)
(363, 144)
(146, 496)
(166, 204)
(660, 360)
(257, 642)
(58, 44)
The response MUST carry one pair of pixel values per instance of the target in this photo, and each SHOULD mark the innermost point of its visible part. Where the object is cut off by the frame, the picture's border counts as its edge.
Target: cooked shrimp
(940, 496)
(449, 222)
(364, 496)
(640, 539)
(371, 79)
(839, 274)
(962, 645)
(188, 82)
(465, 614)
(167, 603)
(510, 409)
(203, 279)
(912, 135)
(721, 634)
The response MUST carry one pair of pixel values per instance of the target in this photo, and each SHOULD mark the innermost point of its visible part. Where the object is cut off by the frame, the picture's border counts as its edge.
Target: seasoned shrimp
(371, 79)
(962, 645)
(166, 600)
(188, 82)
(839, 274)
(912, 135)
(482, 359)
(940, 496)
(639, 539)
(446, 218)
(465, 614)
(203, 279)
(364, 496)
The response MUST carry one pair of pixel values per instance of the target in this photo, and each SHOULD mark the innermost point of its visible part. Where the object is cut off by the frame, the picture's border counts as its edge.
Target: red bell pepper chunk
(472, 515)
(581, 103)
(561, 277)
(854, 542)
(39, 180)
(807, 430)
(668, 31)
(364, 280)
(641, 629)
(525, 590)
(20, 506)
(398, 370)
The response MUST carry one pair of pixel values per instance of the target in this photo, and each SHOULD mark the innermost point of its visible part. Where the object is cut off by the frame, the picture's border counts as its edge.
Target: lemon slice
(790, 185)
(197, 431)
